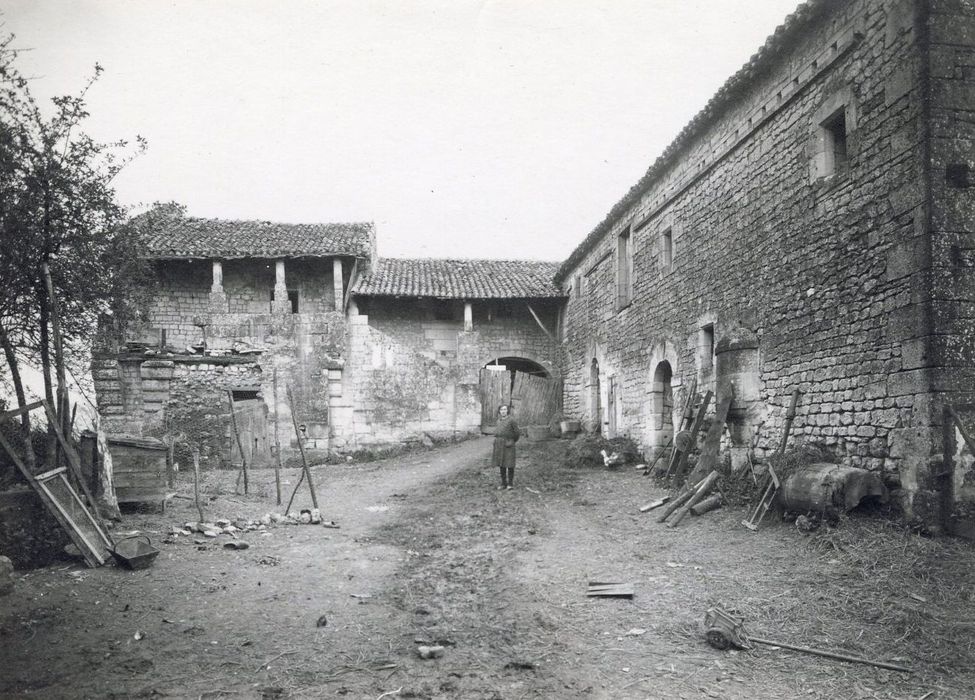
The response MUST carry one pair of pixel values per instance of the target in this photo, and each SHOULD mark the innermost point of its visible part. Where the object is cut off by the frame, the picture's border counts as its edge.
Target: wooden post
(62, 391)
(676, 503)
(240, 446)
(790, 415)
(301, 448)
(277, 439)
(707, 505)
(196, 483)
(73, 460)
(699, 493)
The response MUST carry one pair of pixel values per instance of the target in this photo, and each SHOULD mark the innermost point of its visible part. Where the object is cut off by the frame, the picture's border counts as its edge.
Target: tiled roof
(191, 237)
(781, 40)
(460, 279)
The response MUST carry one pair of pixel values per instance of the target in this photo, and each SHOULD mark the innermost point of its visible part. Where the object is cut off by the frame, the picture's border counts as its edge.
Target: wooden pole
(277, 439)
(676, 503)
(831, 655)
(301, 448)
(790, 415)
(196, 483)
(240, 445)
(707, 505)
(73, 460)
(699, 493)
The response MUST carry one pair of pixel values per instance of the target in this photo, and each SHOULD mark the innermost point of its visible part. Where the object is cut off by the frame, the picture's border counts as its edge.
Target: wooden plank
(92, 557)
(495, 389)
(74, 461)
(712, 443)
(6, 415)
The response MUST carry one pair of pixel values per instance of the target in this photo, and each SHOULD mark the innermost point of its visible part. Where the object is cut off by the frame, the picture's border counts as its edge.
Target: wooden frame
(62, 500)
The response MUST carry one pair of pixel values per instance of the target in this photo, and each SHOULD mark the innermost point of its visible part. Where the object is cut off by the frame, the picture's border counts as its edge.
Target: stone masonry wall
(949, 314)
(817, 267)
(411, 375)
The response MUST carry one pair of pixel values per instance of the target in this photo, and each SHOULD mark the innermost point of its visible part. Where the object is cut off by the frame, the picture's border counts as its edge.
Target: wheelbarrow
(134, 552)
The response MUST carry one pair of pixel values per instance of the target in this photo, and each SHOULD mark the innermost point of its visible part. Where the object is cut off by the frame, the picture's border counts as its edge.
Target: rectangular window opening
(667, 250)
(835, 143)
(624, 260)
(292, 298)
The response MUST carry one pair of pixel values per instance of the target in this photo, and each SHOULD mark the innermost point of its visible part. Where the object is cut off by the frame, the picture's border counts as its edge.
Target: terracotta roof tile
(191, 237)
(460, 279)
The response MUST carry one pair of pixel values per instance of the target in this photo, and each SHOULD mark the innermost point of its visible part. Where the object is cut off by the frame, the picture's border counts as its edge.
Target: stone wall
(947, 316)
(779, 226)
(413, 369)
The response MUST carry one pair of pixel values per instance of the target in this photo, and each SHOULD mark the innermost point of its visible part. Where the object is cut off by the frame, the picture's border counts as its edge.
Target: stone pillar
(468, 316)
(337, 282)
(218, 297)
(281, 304)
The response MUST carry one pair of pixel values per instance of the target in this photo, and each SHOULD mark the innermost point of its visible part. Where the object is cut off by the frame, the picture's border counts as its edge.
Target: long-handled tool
(772, 484)
(724, 630)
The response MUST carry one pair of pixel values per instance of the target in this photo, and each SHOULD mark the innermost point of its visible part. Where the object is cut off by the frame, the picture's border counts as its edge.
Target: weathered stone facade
(253, 327)
(412, 374)
(795, 237)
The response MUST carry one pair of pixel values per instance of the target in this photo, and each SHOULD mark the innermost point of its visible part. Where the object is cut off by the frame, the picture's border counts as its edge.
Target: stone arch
(660, 407)
(524, 360)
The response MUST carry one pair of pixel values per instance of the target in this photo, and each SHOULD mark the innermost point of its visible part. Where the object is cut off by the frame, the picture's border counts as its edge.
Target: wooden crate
(138, 469)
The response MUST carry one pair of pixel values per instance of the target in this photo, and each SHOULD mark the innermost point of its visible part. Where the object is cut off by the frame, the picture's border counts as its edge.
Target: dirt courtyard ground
(428, 552)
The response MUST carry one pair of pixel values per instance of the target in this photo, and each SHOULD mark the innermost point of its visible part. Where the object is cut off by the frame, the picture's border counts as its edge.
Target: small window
(667, 250)
(835, 144)
(292, 298)
(707, 345)
(624, 272)
(705, 353)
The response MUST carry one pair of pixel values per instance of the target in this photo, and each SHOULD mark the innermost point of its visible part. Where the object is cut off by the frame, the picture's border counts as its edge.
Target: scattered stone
(430, 652)
(236, 545)
(322, 621)
(265, 519)
(222, 523)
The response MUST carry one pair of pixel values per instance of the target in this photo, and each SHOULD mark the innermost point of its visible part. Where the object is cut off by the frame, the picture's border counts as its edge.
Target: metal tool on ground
(724, 629)
(772, 483)
(765, 502)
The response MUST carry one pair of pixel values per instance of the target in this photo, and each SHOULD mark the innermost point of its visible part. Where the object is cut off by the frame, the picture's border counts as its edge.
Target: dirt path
(430, 552)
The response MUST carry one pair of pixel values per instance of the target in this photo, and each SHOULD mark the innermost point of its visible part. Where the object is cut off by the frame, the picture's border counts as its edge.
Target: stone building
(810, 229)
(373, 351)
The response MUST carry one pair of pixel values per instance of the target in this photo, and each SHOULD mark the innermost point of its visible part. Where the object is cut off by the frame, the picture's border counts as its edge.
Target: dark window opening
(624, 261)
(244, 394)
(667, 250)
(292, 298)
(834, 131)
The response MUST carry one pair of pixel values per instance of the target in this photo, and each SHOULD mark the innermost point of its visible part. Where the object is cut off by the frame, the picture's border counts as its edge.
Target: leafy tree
(67, 257)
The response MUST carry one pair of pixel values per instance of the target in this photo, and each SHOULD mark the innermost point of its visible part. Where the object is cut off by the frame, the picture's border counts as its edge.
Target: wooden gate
(252, 425)
(495, 391)
(535, 400)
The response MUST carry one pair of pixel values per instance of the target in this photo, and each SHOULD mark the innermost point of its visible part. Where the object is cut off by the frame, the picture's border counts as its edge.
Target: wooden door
(495, 392)
(252, 424)
(535, 400)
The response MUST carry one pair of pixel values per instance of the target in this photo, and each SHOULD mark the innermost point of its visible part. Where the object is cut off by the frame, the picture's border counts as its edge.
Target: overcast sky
(462, 128)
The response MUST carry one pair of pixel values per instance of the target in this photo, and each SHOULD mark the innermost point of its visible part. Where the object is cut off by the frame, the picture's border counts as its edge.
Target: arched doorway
(662, 406)
(525, 385)
(595, 399)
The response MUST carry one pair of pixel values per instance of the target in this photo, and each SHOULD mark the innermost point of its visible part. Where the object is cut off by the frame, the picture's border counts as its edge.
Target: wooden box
(138, 468)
